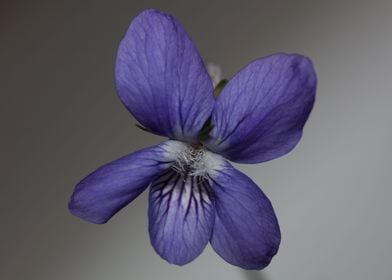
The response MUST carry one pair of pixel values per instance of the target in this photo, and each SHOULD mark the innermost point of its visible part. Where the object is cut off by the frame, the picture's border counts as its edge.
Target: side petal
(161, 78)
(181, 216)
(246, 232)
(262, 110)
(108, 189)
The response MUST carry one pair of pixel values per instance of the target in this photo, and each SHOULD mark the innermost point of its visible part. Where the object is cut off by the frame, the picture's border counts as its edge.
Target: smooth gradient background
(60, 119)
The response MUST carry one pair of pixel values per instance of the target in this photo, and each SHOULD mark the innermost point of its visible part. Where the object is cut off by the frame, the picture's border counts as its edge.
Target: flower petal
(262, 110)
(108, 189)
(161, 78)
(181, 216)
(246, 232)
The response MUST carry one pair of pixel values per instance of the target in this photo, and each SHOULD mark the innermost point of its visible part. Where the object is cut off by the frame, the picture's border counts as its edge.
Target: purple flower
(196, 195)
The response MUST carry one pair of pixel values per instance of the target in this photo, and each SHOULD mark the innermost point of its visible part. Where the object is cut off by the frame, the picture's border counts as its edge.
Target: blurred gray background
(60, 119)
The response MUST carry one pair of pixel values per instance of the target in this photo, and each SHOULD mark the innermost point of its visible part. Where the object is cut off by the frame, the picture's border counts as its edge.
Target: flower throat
(191, 161)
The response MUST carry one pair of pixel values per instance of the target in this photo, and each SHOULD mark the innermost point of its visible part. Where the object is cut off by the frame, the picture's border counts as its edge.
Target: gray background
(60, 119)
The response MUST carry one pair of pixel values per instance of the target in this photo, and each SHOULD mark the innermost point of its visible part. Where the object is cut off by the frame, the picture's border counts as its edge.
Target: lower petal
(181, 216)
(108, 189)
(246, 232)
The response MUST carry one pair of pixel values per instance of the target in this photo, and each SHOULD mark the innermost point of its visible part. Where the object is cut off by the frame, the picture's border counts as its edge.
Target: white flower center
(193, 160)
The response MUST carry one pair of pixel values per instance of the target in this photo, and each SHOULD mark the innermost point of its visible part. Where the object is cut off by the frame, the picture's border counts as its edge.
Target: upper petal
(261, 112)
(246, 232)
(108, 189)
(181, 216)
(161, 78)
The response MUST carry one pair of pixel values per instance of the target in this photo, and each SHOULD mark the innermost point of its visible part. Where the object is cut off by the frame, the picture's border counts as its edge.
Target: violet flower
(196, 195)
